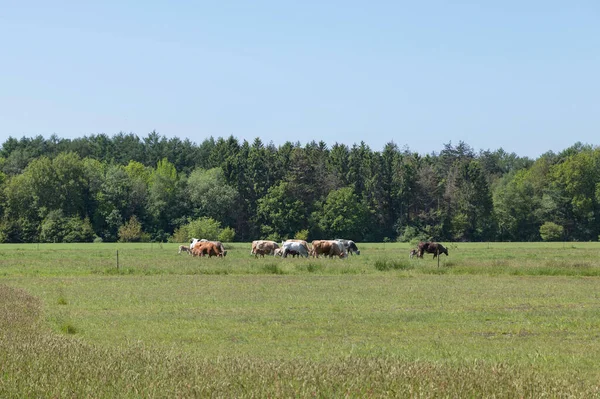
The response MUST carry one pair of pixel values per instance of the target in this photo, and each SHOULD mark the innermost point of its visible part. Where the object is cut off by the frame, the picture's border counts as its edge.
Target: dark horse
(431, 248)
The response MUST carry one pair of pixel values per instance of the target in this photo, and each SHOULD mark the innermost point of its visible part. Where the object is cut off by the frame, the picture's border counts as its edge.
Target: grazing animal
(292, 247)
(431, 248)
(219, 244)
(350, 246)
(184, 248)
(329, 248)
(301, 242)
(413, 252)
(263, 247)
(279, 252)
(206, 248)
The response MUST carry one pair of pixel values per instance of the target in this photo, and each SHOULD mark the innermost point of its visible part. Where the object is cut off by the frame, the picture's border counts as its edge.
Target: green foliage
(181, 234)
(264, 190)
(210, 194)
(131, 231)
(58, 228)
(412, 234)
(550, 231)
(280, 212)
(343, 215)
(274, 237)
(203, 228)
(301, 235)
(227, 235)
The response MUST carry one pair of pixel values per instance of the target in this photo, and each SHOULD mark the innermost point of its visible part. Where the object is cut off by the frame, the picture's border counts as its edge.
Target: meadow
(492, 320)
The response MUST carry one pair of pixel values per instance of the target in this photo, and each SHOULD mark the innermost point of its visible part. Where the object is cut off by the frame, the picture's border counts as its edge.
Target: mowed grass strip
(35, 362)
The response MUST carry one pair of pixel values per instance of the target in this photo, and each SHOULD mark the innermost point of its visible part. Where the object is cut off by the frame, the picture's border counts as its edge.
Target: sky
(523, 76)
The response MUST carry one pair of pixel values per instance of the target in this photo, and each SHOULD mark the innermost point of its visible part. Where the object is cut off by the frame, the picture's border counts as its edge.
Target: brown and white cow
(329, 248)
(219, 244)
(263, 247)
(295, 248)
(206, 248)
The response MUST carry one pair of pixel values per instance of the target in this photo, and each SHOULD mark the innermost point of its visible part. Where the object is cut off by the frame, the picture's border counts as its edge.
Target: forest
(126, 188)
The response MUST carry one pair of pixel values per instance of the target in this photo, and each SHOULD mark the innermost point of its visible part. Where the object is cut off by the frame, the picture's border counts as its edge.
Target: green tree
(56, 227)
(164, 198)
(211, 196)
(343, 215)
(576, 180)
(203, 228)
(70, 184)
(279, 212)
(550, 231)
(131, 231)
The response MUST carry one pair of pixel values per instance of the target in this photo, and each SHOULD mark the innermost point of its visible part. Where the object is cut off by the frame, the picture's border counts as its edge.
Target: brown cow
(219, 244)
(328, 248)
(263, 247)
(206, 248)
(431, 248)
(318, 248)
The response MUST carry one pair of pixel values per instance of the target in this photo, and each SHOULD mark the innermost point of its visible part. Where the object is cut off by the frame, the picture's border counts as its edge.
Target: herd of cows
(331, 248)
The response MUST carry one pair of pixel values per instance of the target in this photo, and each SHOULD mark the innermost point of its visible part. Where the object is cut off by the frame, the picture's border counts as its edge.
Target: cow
(263, 247)
(206, 248)
(184, 248)
(292, 247)
(279, 252)
(219, 244)
(328, 248)
(413, 252)
(350, 246)
(301, 242)
(431, 248)
(195, 241)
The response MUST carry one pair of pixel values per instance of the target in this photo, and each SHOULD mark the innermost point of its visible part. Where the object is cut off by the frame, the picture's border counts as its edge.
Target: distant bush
(58, 228)
(131, 231)
(204, 227)
(227, 234)
(274, 237)
(180, 235)
(550, 231)
(412, 235)
(301, 235)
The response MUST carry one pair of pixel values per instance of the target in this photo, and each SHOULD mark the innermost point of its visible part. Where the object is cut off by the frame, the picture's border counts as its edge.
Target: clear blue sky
(521, 75)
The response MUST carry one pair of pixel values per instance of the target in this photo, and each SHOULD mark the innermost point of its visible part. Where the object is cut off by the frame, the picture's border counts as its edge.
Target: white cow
(291, 247)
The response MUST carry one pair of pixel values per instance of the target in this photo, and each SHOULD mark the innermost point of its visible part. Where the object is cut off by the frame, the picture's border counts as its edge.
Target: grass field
(493, 320)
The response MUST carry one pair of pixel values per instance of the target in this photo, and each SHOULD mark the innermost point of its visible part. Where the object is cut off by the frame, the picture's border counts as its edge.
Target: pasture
(493, 320)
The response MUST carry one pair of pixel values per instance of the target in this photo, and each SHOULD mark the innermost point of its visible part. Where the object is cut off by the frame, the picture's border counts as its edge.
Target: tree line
(155, 188)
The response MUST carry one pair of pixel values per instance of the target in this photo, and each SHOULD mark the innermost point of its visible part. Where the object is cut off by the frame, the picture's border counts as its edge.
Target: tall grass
(37, 363)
